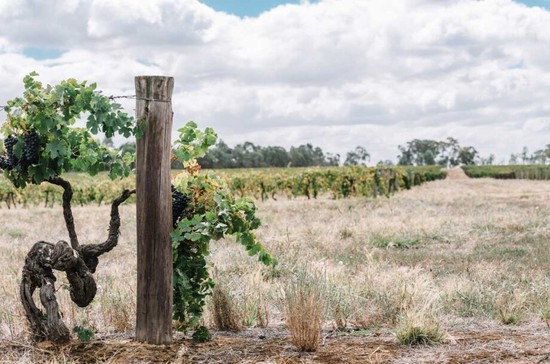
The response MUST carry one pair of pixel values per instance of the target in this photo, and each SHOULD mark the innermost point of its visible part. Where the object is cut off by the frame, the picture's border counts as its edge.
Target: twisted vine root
(78, 262)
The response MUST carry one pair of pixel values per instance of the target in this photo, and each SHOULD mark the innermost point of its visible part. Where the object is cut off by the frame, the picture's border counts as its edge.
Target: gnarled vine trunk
(78, 262)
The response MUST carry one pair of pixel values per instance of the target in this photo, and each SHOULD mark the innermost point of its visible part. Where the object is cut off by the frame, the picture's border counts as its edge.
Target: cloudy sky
(334, 73)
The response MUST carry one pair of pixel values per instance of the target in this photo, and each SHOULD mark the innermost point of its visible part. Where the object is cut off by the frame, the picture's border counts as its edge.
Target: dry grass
(305, 310)
(224, 313)
(469, 257)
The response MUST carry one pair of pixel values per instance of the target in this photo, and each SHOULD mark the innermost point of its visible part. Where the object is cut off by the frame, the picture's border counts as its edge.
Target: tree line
(449, 153)
(540, 156)
(416, 152)
(249, 155)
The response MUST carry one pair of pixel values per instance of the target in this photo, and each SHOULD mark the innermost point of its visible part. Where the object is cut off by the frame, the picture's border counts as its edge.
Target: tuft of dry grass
(419, 331)
(224, 313)
(305, 310)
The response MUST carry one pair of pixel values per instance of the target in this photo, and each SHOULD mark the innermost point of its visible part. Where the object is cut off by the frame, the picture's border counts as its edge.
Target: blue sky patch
(244, 8)
(253, 8)
(541, 3)
(42, 53)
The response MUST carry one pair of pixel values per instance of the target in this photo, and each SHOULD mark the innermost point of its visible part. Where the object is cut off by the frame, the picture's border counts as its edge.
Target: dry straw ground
(461, 265)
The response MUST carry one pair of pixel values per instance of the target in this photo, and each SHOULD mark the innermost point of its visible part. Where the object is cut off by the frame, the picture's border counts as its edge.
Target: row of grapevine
(337, 182)
(258, 183)
(535, 172)
(86, 191)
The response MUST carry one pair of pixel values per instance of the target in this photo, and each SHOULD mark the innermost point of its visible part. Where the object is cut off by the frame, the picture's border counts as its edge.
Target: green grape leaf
(56, 148)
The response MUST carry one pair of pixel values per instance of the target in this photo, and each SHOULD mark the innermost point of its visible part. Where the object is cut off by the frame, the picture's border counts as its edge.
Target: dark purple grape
(11, 160)
(3, 163)
(9, 142)
(179, 203)
(32, 148)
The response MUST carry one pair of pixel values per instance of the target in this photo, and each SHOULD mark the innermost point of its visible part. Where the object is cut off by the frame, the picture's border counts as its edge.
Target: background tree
(419, 152)
(525, 155)
(108, 143)
(405, 158)
(275, 156)
(248, 155)
(333, 159)
(446, 153)
(218, 156)
(428, 158)
(488, 161)
(306, 156)
(128, 148)
(539, 157)
(467, 155)
(358, 156)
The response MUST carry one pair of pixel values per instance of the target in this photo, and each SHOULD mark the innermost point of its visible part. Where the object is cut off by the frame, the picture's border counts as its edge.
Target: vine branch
(78, 264)
(67, 211)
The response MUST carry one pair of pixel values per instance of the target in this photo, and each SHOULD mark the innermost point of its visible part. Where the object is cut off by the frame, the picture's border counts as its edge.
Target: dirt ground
(485, 345)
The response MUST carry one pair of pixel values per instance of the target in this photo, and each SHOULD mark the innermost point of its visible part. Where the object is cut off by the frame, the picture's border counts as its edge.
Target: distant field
(467, 259)
(536, 172)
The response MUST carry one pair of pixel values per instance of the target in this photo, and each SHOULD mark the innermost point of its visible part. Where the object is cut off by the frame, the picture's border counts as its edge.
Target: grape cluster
(3, 163)
(9, 161)
(31, 151)
(32, 147)
(179, 203)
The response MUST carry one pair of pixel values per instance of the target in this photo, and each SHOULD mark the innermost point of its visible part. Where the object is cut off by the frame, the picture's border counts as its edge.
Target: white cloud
(337, 73)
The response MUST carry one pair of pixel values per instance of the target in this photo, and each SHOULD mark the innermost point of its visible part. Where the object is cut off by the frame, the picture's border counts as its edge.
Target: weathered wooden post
(154, 210)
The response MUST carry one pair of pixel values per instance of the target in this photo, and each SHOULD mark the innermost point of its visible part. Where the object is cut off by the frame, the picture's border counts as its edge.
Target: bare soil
(456, 173)
(495, 345)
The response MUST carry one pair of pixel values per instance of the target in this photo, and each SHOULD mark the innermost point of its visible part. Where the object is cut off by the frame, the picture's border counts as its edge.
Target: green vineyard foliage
(41, 138)
(261, 184)
(336, 182)
(87, 190)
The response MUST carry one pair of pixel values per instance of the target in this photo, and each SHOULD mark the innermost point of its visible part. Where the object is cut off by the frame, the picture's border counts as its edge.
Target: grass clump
(83, 333)
(413, 331)
(202, 335)
(509, 316)
(305, 310)
(386, 242)
(224, 313)
(510, 305)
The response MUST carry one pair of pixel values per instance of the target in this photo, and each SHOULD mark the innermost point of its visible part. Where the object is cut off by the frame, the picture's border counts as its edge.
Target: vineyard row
(271, 183)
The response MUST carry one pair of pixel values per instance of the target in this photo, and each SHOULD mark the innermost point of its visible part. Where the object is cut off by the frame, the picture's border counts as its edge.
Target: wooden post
(154, 210)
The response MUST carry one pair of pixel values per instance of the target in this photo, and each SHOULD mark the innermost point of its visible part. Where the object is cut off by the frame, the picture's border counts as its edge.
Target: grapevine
(42, 143)
(210, 213)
